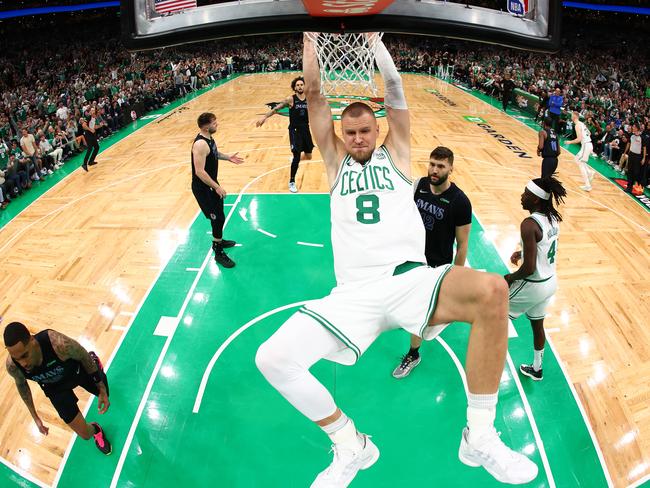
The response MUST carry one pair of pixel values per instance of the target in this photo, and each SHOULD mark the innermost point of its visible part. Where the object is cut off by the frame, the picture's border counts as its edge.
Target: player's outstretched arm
(284, 103)
(398, 139)
(320, 115)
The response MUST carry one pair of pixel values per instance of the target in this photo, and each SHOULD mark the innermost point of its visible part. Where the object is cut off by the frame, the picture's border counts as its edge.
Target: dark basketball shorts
(65, 400)
(300, 139)
(209, 201)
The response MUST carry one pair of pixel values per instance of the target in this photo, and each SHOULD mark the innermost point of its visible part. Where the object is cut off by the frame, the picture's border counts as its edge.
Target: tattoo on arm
(22, 387)
(67, 348)
(222, 156)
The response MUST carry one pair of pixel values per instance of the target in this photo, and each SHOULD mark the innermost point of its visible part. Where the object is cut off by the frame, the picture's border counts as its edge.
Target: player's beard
(364, 157)
(212, 130)
(441, 180)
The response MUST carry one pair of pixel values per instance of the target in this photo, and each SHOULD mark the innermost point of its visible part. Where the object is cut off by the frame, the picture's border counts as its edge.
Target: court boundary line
(89, 403)
(594, 439)
(639, 482)
(531, 419)
(91, 399)
(522, 394)
(524, 399)
(581, 407)
(25, 474)
(21, 231)
(145, 397)
(154, 373)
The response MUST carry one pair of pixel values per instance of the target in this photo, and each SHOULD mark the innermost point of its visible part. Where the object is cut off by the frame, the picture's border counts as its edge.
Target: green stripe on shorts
(329, 326)
(538, 281)
(517, 290)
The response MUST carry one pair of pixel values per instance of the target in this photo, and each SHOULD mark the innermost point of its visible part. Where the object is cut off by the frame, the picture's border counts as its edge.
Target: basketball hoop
(347, 62)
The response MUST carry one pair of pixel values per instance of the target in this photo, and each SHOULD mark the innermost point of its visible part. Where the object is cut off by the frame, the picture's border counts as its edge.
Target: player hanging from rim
(534, 283)
(299, 135)
(382, 280)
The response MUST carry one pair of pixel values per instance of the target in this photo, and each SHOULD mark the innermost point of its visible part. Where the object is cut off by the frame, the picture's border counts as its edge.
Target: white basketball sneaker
(506, 465)
(346, 465)
(292, 187)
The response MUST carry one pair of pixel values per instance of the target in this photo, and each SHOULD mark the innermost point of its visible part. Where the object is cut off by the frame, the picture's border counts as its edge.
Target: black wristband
(96, 377)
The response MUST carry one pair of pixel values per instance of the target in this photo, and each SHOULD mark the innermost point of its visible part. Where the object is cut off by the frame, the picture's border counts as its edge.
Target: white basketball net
(347, 63)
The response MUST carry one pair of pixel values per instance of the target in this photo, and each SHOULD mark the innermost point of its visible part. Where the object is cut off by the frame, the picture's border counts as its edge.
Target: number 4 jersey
(546, 248)
(375, 223)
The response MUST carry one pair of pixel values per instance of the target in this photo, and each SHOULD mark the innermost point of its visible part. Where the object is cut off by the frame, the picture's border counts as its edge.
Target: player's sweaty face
(23, 354)
(300, 87)
(438, 171)
(360, 136)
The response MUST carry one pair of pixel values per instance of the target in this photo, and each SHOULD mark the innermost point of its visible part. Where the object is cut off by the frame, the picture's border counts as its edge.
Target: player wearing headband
(534, 283)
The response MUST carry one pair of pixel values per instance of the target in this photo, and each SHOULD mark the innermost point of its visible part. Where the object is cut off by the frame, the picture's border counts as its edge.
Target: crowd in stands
(47, 85)
(605, 78)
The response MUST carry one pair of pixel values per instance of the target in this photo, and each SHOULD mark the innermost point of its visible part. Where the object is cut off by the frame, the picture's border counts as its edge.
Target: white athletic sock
(481, 411)
(584, 171)
(537, 359)
(343, 432)
(337, 425)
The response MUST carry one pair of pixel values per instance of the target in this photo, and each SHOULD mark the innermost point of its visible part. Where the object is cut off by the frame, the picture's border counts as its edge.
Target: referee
(205, 186)
(90, 126)
(447, 216)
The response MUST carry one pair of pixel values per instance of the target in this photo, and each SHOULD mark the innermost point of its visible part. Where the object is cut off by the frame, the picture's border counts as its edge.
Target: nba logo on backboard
(518, 7)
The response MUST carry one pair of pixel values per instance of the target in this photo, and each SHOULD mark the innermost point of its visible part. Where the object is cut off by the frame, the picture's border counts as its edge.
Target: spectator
(62, 112)
(48, 151)
(31, 150)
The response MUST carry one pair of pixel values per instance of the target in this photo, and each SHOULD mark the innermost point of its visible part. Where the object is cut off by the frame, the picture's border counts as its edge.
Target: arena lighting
(609, 8)
(53, 10)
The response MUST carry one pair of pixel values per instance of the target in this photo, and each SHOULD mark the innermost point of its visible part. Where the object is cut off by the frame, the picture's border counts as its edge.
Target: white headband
(536, 190)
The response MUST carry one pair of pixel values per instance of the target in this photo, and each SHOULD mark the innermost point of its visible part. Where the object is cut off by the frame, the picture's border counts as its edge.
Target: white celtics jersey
(375, 223)
(546, 248)
(581, 128)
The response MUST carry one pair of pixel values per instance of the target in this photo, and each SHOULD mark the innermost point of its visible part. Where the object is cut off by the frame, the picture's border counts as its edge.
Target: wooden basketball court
(83, 257)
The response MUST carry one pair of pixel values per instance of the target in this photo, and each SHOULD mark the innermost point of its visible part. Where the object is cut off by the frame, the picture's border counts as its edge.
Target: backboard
(527, 24)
